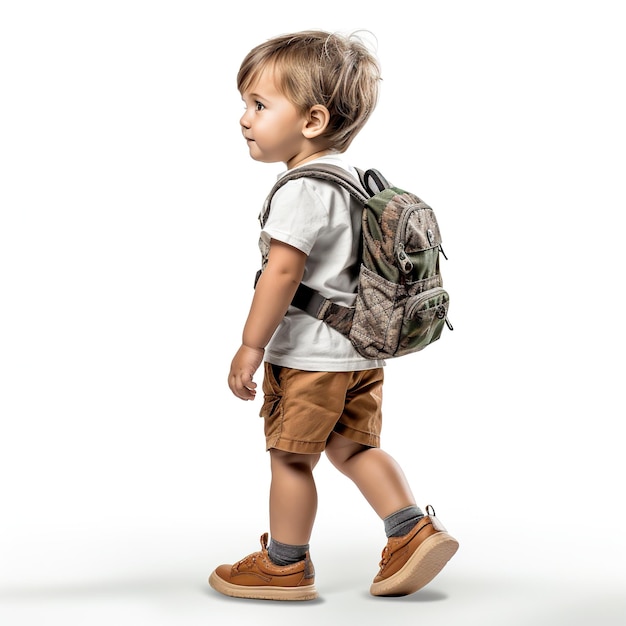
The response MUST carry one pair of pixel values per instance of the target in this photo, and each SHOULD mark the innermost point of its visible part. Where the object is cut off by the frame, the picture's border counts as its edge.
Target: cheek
(272, 131)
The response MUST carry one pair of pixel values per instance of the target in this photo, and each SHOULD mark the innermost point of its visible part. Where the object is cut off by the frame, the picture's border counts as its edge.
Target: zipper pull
(431, 240)
(404, 262)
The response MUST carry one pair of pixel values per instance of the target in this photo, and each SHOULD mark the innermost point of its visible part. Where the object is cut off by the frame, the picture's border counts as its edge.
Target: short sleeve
(297, 216)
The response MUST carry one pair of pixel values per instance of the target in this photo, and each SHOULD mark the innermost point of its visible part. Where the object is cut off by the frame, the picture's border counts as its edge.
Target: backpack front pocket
(424, 319)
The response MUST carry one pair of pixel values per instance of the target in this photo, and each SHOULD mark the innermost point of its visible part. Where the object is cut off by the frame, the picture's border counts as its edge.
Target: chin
(264, 159)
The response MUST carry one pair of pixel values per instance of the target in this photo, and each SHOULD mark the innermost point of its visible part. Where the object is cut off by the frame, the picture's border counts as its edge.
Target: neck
(301, 160)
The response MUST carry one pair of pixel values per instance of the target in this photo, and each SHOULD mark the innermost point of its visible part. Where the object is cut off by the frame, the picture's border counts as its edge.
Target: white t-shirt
(323, 221)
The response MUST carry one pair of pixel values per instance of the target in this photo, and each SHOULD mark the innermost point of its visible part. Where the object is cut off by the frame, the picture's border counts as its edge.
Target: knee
(306, 462)
(335, 457)
(341, 455)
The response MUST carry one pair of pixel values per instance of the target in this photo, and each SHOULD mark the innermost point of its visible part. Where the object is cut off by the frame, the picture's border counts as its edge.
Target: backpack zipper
(418, 301)
(404, 262)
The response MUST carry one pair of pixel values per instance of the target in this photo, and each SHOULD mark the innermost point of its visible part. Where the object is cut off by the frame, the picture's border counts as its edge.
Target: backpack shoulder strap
(326, 171)
(370, 182)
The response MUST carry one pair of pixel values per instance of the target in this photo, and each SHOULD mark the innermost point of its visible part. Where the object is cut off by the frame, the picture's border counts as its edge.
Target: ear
(316, 121)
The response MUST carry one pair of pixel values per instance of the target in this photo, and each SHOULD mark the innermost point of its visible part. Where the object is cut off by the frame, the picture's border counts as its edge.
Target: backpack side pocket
(378, 312)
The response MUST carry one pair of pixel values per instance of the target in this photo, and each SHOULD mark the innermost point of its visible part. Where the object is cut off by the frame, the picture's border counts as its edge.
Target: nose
(244, 120)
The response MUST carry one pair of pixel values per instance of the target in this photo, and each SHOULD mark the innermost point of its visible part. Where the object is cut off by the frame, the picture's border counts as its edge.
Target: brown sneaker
(412, 561)
(258, 578)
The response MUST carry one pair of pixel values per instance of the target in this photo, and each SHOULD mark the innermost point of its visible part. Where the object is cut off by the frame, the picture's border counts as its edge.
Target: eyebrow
(256, 97)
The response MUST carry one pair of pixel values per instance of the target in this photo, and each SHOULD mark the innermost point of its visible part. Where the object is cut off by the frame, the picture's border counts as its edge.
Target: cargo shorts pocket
(272, 408)
(272, 393)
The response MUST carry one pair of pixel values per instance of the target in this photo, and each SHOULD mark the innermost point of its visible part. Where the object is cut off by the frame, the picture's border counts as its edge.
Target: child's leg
(293, 497)
(283, 569)
(418, 546)
(377, 475)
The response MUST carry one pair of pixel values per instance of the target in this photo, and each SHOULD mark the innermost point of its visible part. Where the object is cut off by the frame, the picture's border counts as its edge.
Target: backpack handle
(374, 182)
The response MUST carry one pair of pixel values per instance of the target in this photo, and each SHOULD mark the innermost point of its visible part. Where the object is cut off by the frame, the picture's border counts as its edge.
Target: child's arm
(272, 296)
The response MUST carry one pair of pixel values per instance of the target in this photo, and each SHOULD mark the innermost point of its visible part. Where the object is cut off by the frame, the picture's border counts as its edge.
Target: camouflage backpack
(401, 305)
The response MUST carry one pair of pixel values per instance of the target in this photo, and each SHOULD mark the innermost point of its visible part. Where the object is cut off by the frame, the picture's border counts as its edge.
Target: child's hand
(242, 369)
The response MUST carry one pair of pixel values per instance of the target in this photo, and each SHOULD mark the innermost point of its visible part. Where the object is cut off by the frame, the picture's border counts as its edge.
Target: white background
(127, 251)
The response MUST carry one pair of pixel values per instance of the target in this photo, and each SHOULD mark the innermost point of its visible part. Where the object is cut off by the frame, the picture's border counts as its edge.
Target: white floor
(497, 578)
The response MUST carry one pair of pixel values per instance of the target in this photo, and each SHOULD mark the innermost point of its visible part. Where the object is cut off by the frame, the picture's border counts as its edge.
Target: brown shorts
(301, 409)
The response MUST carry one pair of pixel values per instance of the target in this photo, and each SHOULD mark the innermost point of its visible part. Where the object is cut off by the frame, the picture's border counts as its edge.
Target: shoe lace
(248, 561)
(385, 556)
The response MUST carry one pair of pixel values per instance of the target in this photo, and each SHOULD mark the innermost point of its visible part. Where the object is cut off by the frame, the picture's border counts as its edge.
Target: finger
(242, 386)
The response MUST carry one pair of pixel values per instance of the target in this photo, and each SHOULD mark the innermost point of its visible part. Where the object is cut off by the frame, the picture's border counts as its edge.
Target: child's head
(319, 68)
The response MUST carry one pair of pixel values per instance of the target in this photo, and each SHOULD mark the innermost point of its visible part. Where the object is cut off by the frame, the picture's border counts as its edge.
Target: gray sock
(285, 554)
(401, 522)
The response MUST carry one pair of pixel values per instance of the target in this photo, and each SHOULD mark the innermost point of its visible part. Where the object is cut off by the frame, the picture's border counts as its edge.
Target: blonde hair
(319, 68)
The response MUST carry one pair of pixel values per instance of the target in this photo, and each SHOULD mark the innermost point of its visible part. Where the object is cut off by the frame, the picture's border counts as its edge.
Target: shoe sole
(262, 592)
(423, 565)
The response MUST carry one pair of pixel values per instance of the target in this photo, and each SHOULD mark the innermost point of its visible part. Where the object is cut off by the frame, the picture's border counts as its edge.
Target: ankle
(285, 554)
(403, 521)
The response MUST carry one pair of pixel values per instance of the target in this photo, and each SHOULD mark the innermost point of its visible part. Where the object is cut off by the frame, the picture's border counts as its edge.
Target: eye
(258, 106)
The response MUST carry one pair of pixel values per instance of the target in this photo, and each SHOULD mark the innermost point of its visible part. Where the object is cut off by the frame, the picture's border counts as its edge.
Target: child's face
(272, 125)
